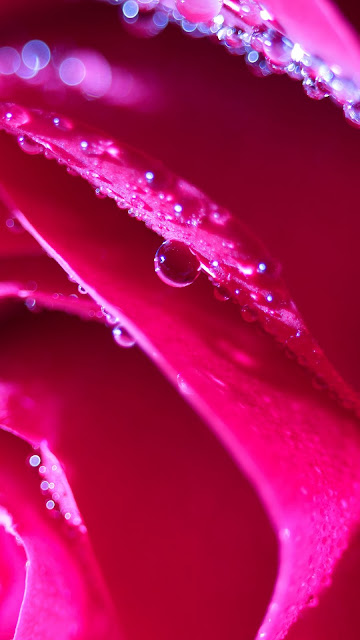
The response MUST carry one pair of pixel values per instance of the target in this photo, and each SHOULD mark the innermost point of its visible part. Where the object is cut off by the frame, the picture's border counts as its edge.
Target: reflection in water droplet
(277, 48)
(30, 303)
(122, 337)
(29, 146)
(175, 264)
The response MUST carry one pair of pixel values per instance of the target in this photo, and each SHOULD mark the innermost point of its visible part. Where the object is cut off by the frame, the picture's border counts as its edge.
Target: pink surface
(298, 447)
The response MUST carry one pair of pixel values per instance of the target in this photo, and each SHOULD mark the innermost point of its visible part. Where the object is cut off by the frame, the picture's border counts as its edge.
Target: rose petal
(180, 534)
(63, 589)
(260, 404)
(321, 29)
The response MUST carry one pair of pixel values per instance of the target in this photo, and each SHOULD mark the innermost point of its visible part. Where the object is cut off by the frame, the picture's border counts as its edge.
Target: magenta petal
(176, 549)
(64, 594)
(12, 575)
(320, 28)
(300, 449)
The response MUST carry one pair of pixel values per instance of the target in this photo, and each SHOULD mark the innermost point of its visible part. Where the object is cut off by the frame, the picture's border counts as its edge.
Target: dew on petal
(175, 264)
(248, 314)
(352, 113)
(29, 146)
(199, 10)
(122, 337)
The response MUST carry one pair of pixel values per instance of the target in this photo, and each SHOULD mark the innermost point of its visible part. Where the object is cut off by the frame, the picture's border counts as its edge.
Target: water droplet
(313, 89)
(50, 504)
(82, 289)
(29, 146)
(14, 115)
(122, 337)
(277, 48)
(312, 601)
(199, 10)
(248, 314)
(100, 194)
(34, 461)
(175, 264)
(352, 113)
(221, 294)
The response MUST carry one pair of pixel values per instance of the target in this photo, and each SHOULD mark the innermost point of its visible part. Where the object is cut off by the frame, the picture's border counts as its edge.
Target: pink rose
(175, 530)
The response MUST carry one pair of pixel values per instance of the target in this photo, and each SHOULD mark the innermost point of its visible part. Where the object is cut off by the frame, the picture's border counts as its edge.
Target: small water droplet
(248, 314)
(99, 193)
(221, 294)
(63, 124)
(29, 146)
(30, 304)
(277, 48)
(199, 10)
(175, 264)
(122, 337)
(352, 113)
(50, 504)
(82, 289)
(34, 460)
(312, 601)
(313, 89)
(14, 115)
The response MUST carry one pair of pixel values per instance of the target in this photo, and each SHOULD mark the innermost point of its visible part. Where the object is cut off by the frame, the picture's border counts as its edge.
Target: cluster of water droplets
(58, 498)
(247, 29)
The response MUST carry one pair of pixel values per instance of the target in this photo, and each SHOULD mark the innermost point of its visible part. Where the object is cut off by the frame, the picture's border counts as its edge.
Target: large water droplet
(122, 337)
(277, 48)
(29, 146)
(175, 264)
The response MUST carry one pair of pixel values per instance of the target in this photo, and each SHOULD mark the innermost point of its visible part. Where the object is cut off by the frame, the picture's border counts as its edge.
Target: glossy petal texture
(59, 560)
(259, 403)
(321, 29)
(276, 398)
(164, 504)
